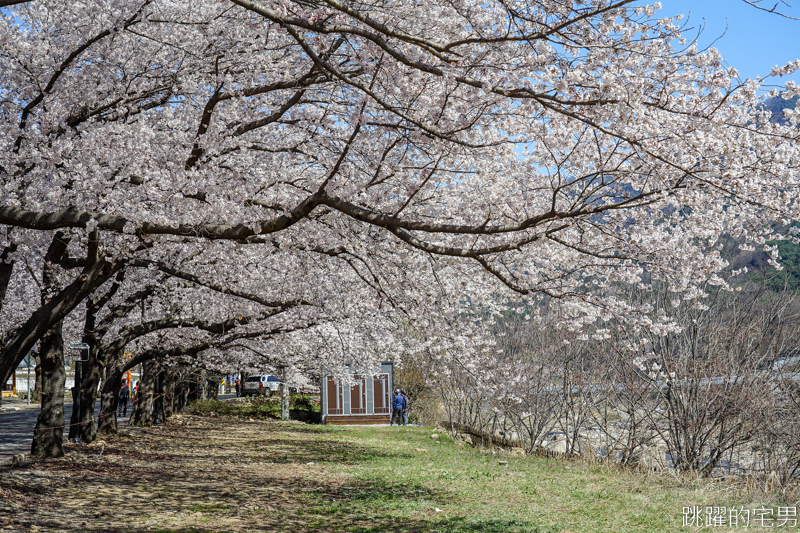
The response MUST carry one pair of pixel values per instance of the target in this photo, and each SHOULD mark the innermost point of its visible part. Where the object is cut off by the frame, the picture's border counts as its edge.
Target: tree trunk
(109, 400)
(93, 368)
(56, 304)
(5, 270)
(91, 379)
(143, 408)
(170, 390)
(158, 400)
(5, 276)
(195, 392)
(284, 388)
(36, 395)
(183, 400)
(213, 388)
(48, 436)
(92, 374)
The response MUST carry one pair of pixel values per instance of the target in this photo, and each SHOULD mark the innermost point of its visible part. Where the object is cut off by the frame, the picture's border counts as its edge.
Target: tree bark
(36, 397)
(53, 310)
(92, 373)
(109, 399)
(143, 409)
(48, 436)
(213, 388)
(95, 366)
(170, 390)
(159, 416)
(5, 270)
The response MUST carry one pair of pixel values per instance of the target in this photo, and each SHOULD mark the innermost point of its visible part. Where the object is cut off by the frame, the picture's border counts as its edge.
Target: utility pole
(284, 401)
(28, 396)
(284, 395)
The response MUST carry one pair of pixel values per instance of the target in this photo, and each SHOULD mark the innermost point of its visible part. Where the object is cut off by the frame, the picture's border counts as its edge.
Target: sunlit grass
(299, 477)
(418, 480)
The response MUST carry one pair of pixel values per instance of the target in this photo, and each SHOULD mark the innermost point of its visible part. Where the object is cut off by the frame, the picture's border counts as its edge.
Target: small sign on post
(83, 347)
(78, 346)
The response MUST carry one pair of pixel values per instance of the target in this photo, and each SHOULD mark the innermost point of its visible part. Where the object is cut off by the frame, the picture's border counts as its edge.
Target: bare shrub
(711, 374)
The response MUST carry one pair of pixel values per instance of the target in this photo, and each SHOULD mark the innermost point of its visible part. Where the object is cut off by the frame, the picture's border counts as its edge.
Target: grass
(428, 484)
(406, 477)
(419, 483)
(211, 473)
(255, 407)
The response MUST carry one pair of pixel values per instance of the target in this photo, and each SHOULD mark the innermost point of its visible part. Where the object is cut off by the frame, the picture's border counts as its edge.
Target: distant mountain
(756, 261)
(777, 105)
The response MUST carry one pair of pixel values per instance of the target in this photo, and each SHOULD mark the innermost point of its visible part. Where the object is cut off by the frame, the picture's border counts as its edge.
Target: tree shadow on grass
(454, 525)
(284, 449)
(190, 480)
(372, 506)
(394, 525)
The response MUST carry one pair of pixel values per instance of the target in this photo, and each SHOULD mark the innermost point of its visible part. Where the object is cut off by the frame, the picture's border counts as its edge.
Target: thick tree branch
(26, 111)
(282, 304)
(6, 268)
(58, 307)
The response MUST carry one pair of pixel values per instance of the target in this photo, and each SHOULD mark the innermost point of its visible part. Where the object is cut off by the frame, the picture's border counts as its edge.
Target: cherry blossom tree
(483, 152)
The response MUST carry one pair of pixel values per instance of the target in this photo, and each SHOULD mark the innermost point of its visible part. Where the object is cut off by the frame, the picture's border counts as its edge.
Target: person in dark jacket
(397, 408)
(122, 405)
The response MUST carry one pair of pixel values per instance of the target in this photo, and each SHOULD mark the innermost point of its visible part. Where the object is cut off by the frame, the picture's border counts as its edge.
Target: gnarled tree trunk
(143, 408)
(94, 368)
(92, 373)
(48, 436)
(109, 399)
(170, 389)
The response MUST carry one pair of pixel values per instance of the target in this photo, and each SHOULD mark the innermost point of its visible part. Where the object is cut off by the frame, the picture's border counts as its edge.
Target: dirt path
(195, 474)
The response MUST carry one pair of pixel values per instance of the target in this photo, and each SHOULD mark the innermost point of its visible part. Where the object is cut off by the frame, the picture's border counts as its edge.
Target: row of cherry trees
(296, 185)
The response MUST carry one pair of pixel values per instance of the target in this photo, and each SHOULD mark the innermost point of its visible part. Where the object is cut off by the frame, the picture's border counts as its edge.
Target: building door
(380, 392)
(335, 401)
(358, 396)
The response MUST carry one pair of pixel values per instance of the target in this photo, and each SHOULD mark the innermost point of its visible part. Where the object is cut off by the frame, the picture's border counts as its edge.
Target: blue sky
(755, 41)
(751, 40)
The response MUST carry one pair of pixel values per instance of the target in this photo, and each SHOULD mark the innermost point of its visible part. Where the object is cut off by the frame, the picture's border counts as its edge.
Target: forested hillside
(756, 260)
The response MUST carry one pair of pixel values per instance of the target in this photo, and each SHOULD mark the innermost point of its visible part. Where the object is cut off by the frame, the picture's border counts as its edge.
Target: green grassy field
(415, 482)
(405, 477)
(227, 468)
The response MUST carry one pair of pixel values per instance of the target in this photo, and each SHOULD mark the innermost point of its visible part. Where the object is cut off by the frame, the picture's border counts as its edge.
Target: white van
(260, 385)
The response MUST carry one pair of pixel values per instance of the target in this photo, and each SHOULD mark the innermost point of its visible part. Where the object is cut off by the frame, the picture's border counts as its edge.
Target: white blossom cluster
(371, 169)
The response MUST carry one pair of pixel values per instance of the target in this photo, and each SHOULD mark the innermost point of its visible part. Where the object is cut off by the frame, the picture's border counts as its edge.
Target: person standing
(404, 413)
(122, 404)
(397, 408)
(238, 387)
